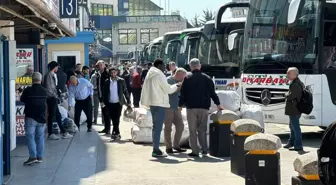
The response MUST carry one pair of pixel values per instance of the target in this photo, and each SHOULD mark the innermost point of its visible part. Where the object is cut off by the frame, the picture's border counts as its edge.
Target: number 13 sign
(68, 9)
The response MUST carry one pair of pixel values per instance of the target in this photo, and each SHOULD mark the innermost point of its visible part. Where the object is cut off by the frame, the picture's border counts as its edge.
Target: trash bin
(262, 162)
(240, 130)
(220, 132)
(307, 167)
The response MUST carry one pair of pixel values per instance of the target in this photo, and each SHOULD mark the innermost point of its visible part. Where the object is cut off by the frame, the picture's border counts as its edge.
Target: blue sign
(68, 9)
(220, 82)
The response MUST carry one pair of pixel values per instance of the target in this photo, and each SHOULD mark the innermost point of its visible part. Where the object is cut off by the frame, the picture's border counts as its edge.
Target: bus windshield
(207, 46)
(271, 45)
(166, 39)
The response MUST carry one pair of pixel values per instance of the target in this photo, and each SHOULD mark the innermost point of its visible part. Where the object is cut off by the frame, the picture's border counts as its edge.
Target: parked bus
(220, 47)
(154, 49)
(281, 34)
(165, 40)
(182, 49)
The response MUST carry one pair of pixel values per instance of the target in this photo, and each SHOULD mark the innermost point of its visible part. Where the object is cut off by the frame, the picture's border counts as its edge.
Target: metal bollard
(262, 162)
(307, 167)
(220, 132)
(241, 129)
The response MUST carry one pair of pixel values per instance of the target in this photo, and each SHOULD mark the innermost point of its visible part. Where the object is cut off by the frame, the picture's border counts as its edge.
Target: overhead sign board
(68, 9)
(83, 3)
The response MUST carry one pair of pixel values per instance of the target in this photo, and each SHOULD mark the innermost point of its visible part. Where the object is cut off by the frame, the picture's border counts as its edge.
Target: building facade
(126, 25)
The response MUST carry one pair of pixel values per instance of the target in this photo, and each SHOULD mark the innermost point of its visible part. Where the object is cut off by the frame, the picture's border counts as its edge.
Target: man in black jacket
(101, 76)
(115, 95)
(196, 93)
(35, 100)
(145, 71)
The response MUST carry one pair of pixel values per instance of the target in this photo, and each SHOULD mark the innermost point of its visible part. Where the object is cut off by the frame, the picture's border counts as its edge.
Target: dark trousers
(136, 92)
(114, 110)
(86, 106)
(54, 113)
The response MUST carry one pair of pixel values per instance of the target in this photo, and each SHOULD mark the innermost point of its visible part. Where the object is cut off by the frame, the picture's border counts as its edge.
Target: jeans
(35, 136)
(295, 138)
(158, 117)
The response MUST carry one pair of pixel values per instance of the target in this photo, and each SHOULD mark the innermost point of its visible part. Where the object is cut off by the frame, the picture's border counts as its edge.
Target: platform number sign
(68, 9)
(82, 3)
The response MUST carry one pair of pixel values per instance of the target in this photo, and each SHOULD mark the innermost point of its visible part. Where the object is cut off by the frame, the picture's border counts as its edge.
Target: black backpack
(305, 105)
(327, 156)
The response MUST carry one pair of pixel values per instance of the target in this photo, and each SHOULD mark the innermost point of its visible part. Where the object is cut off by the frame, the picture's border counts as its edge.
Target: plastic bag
(69, 125)
(143, 134)
(63, 111)
(129, 114)
(253, 112)
(230, 100)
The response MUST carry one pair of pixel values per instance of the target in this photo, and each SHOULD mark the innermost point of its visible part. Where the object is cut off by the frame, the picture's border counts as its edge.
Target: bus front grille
(266, 96)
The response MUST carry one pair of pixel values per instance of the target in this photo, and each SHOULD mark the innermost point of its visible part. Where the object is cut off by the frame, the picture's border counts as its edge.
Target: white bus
(281, 34)
(221, 45)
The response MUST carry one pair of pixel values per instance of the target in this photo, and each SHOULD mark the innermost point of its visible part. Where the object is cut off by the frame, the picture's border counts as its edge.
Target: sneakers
(53, 137)
(66, 136)
(158, 153)
(30, 161)
(180, 150)
(287, 146)
(39, 159)
(175, 150)
(115, 136)
(193, 155)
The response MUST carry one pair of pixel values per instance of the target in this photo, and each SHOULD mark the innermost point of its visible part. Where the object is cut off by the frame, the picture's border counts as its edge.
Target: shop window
(147, 35)
(127, 36)
(102, 9)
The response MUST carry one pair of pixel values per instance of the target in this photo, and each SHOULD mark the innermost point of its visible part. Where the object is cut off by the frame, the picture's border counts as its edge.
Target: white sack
(143, 134)
(63, 111)
(71, 114)
(229, 100)
(253, 112)
(143, 118)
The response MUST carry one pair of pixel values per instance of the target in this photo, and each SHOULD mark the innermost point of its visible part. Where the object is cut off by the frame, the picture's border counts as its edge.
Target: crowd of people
(163, 91)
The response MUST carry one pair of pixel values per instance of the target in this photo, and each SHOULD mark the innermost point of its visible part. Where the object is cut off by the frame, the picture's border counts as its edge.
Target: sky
(188, 8)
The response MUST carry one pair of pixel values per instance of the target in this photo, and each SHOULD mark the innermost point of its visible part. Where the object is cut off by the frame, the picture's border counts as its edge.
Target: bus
(181, 50)
(165, 40)
(282, 34)
(153, 49)
(220, 47)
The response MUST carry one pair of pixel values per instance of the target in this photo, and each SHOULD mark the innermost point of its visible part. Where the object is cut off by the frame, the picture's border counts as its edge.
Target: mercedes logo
(265, 97)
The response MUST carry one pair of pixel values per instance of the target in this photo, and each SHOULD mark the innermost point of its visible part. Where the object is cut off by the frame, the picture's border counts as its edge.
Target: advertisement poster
(25, 69)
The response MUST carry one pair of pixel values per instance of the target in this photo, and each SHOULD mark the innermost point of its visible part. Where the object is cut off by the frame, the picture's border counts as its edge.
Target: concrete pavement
(90, 159)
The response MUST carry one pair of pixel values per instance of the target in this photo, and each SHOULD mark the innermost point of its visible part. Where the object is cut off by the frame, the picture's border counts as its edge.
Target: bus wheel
(323, 128)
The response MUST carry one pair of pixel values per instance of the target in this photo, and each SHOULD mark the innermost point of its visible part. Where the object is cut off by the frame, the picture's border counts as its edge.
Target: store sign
(24, 71)
(68, 9)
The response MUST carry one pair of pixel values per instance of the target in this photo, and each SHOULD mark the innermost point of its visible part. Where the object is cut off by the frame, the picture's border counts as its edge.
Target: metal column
(1, 114)
(6, 118)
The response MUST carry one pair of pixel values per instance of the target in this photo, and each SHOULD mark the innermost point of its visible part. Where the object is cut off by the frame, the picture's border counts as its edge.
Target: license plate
(269, 116)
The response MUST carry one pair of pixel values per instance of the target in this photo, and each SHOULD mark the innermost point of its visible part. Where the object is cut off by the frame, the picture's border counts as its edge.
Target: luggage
(253, 112)
(327, 156)
(230, 100)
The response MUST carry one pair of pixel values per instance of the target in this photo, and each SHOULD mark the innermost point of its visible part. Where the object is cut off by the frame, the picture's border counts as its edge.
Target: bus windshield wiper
(264, 60)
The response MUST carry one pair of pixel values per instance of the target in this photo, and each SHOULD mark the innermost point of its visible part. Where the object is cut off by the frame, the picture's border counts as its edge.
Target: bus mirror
(293, 11)
(231, 40)
(167, 48)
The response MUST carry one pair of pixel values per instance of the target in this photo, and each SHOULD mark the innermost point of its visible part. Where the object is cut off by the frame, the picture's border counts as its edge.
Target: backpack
(327, 156)
(305, 105)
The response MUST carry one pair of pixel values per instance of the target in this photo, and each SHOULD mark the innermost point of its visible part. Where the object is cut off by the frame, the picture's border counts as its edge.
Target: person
(50, 82)
(35, 99)
(78, 70)
(82, 91)
(173, 115)
(29, 71)
(86, 72)
(62, 79)
(136, 87)
(114, 97)
(172, 67)
(196, 93)
(102, 76)
(94, 82)
(154, 95)
(145, 71)
(293, 97)
(126, 76)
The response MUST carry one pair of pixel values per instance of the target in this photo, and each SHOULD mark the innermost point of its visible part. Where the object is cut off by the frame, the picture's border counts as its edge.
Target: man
(94, 82)
(29, 71)
(172, 67)
(136, 87)
(78, 70)
(50, 83)
(86, 72)
(35, 99)
(101, 76)
(154, 95)
(126, 76)
(292, 99)
(82, 91)
(114, 97)
(145, 71)
(173, 115)
(196, 93)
